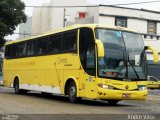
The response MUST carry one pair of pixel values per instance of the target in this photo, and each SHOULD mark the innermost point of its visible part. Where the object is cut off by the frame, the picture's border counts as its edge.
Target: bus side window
(69, 41)
(31, 47)
(7, 54)
(21, 49)
(14, 50)
(42, 45)
(87, 50)
(55, 43)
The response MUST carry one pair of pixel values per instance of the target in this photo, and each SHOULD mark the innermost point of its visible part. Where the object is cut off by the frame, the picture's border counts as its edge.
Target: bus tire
(16, 88)
(72, 92)
(112, 102)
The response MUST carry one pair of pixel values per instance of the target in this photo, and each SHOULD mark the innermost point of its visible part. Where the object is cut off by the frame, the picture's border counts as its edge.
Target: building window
(121, 21)
(152, 27)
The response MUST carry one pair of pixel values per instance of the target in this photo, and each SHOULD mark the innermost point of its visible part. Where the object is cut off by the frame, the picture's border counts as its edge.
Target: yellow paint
(155, 53)
(100, 48)
(153, 84)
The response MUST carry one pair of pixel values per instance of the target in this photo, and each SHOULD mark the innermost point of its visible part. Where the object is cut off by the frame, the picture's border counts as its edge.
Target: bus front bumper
(121, 94)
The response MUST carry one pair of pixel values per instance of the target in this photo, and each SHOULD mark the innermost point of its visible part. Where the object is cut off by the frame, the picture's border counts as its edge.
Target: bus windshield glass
(124, 55)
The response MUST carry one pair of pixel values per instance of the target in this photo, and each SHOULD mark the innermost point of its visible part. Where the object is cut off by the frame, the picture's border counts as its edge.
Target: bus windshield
(124, 55)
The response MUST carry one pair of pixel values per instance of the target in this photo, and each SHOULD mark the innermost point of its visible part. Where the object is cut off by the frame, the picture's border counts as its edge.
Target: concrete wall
(137, 19)
(57, 16)
(158, 28)
(129, 12)
(137, 25)
(107, 20)
(45, 18)
(36, 21)
(94, 12)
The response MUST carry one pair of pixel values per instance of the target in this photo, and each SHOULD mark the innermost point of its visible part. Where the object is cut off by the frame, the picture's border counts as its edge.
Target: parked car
(153, 82)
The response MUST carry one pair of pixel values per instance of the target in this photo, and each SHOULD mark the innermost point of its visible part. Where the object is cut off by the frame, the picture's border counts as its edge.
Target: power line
(139, 2)
(145, 2)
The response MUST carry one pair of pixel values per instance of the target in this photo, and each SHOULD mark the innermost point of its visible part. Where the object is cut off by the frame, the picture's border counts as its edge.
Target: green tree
(11, 14)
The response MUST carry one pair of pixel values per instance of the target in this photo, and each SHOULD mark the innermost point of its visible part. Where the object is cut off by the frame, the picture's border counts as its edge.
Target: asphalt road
(35, 103)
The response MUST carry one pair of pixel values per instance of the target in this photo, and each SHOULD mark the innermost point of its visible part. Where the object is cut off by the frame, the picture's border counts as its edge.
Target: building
(62, 16)
(141, 20)
(59, 14)
(25, 28)
(40, 19)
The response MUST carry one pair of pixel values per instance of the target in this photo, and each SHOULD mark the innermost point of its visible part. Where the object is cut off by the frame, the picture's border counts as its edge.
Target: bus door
(88, 63)
(88, 75)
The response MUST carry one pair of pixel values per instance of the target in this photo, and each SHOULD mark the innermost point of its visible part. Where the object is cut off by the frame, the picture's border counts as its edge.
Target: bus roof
(70, 28)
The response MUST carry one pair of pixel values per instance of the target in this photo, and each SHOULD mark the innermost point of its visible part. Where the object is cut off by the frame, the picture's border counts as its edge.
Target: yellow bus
(80, 61)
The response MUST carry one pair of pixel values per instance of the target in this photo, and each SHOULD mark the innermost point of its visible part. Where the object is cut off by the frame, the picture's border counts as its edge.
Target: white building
(57, 16)
(36, 20)
(40, 19)
(141, 20)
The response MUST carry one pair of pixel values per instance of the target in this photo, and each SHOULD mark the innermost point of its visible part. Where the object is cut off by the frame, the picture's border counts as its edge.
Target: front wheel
(72, 93)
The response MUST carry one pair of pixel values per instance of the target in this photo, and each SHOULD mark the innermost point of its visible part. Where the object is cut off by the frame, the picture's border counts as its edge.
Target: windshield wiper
(132, 65)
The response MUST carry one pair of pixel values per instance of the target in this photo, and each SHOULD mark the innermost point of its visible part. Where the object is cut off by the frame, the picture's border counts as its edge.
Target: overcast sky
(151, 6)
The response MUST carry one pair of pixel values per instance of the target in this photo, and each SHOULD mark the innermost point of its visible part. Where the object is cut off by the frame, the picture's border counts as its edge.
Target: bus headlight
(142, 88)
(105, 86)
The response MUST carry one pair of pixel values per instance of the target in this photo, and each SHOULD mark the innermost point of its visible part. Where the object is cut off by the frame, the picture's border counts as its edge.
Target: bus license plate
(126, 95)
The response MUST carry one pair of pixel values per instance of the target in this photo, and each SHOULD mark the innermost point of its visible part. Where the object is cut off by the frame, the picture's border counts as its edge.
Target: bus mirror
(100, 48)
(155, 53)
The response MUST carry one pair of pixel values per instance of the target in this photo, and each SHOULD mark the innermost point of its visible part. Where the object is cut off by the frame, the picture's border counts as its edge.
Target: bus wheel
(72, 93)
(16, 88)
(112, 102)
